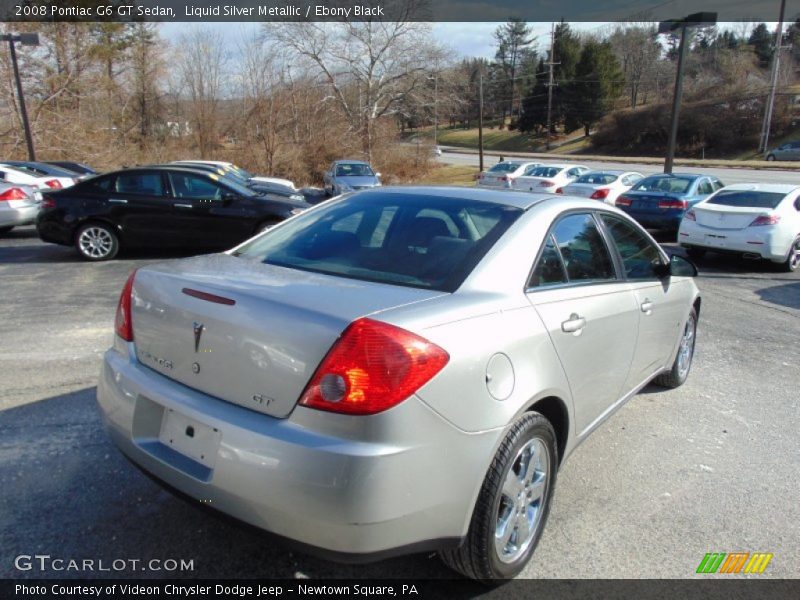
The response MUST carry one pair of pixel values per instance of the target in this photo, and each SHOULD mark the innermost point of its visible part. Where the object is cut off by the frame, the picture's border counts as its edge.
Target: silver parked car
(787, 151)
(348, 176)
(19, 205)
(397, 370)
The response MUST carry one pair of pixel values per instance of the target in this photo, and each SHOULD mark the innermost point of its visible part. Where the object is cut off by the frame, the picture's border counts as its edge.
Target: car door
(662, 303)
(793, 152)
(590, 313)
(209, 213)
(140, 204)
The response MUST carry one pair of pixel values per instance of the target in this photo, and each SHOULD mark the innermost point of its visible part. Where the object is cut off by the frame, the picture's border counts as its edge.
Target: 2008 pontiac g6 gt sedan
(397, 370)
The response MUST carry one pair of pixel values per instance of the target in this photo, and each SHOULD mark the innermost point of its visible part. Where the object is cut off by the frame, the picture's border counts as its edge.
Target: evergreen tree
(514, 39)
(761, 40)
(534, 105)
(598, 83)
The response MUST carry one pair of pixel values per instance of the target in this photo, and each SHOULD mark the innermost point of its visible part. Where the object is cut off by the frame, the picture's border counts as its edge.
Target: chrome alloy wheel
(96, 242)
(687, 347)
(522, 501)
(794, 255)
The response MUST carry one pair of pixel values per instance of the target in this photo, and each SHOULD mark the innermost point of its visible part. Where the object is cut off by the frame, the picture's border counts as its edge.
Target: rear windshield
(597, 178)
(664, 183)
(747, 199)
(504, 167)
(353, 170)
(546, 171)
(409, 240)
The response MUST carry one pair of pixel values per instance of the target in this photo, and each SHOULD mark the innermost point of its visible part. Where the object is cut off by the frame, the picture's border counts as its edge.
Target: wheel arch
(554, 409)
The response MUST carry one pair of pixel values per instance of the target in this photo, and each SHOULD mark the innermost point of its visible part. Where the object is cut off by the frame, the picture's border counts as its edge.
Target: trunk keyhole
(190, 431)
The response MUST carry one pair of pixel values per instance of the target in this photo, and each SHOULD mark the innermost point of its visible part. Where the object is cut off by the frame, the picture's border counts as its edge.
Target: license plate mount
(189, 437)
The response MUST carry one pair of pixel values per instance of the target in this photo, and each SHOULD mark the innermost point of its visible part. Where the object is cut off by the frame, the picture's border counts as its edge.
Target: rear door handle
(118, 200)
(574, 324)
(178, 205)
(647, 306)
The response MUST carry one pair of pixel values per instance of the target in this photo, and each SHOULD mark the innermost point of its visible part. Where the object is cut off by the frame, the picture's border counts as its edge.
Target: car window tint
(583, 249)
(98, 184)
(549, 268)
(597, 178)
(400, 239)
(146, 183)
(664, 183)
(747, 198)
(718, 185)
(546, 171)
(187, 185)
(639, 256)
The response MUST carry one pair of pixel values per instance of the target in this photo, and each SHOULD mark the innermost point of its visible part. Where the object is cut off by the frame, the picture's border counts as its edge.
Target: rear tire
(770, 157)
(513, 504)
(679, 372)
(792, 262)
(96, 242)
(6, 229)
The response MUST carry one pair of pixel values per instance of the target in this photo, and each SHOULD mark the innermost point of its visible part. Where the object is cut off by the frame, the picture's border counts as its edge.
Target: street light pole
(694, 20)
(27, 39)
(676, 104)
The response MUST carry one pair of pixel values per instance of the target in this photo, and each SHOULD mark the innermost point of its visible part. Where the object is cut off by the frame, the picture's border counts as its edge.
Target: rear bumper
(402, 480)
(741, 241)
(667, 220)
(18, 216)
(53, 230)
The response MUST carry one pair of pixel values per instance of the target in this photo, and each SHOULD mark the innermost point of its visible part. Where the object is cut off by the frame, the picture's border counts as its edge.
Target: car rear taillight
(559, 190)
(600, 194)
(48, 202)
(53, 184)
(372, 367)
(624, 201)
(681, 204)
(690, 216)
(123, 325)
(13, 194)
(765, 220)
(547, 183)
(505, 178)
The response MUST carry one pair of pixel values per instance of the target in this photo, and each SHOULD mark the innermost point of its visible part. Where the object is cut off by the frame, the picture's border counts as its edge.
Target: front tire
(513, 504)
(96, 242)
(792, 262)
(679, 372)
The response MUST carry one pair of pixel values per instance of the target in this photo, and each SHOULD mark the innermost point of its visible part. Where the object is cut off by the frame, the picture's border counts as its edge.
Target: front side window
(583, 250)
(705, 188)
(640, 257)
(194, 187)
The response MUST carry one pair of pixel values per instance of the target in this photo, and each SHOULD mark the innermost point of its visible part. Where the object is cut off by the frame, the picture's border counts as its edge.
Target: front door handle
(118, 200)
(182, 205)
(647, 306)
(574, 324)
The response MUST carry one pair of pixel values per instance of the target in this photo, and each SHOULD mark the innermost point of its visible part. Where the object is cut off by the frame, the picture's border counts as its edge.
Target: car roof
(348, 161)
(781, 188)
(684, 175)
(514, 198)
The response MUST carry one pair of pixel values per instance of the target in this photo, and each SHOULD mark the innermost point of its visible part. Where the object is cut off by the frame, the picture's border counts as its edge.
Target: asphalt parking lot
(710, 467)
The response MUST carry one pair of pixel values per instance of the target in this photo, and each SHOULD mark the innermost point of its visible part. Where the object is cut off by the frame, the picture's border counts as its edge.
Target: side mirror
(229, 197)
(681, 267)
(377, 174)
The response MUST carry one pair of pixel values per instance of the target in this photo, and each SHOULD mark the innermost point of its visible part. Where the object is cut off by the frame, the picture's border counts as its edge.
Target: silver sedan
(397, 370)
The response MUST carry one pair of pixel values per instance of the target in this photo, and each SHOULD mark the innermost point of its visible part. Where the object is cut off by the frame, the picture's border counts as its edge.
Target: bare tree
(369, 67)
(201, 67)
(638, 52)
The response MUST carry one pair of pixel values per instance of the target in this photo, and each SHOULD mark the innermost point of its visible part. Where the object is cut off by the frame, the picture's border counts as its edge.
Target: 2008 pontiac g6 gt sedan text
(397, 370)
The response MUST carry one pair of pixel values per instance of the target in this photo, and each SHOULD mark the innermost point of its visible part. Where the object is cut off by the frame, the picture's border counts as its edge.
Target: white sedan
(549, 178)
(602, 185)
(504, 173)
(758, 220)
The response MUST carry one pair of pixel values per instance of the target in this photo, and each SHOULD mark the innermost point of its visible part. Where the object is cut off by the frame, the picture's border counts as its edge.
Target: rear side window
(145, 184)
(549, 269)
(747, 198)
(410, 240)
(639, 256)
(583, 250)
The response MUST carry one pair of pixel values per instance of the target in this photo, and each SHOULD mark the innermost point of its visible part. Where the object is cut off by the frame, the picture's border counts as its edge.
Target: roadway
(726, 175)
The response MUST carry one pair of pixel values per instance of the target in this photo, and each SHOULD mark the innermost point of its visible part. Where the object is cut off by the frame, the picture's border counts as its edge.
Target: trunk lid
(583, 191)
(719, 216)
(259, 336)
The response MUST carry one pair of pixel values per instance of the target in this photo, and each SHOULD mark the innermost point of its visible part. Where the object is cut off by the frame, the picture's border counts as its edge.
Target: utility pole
(550, 84)
(436, 110)
(480, 120)
(26, 39)
(764, 147)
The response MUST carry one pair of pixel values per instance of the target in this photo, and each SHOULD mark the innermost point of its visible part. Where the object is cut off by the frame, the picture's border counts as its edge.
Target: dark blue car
(660, 201)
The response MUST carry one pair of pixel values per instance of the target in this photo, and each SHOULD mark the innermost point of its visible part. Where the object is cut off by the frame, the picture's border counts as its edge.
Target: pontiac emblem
(198, 333)
(195, 368)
